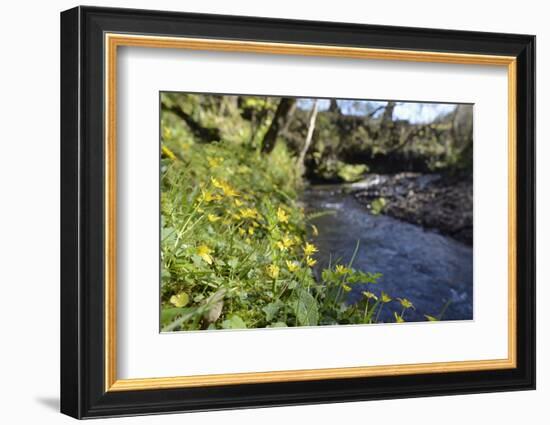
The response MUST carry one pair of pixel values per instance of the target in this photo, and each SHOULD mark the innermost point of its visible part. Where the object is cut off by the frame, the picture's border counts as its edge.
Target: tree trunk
(387, 117)
(282, 115)
(334, 106)
(309, 137)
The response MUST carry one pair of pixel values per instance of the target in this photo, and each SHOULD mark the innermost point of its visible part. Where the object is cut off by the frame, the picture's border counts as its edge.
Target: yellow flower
(346, 288)
(285, 243)
(405, 303)
(213, 218)
(341, 270)
(310, 261)
(238, 203)
(241, 231)
(273, 271)
(229, 191)
(385, 298)
(309, 249)
(168, 153)
(292, 266)
(204, 252)
(225, 187)
(282, 216)
(216, 183)
(214, 162)
(167, 132)
(207, 196)
(249, 213)
(251, 230)
(398, 318)
(431, 318)
(370, 295)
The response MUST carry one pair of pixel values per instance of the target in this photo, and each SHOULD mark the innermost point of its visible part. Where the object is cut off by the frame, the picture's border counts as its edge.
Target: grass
(234, 247)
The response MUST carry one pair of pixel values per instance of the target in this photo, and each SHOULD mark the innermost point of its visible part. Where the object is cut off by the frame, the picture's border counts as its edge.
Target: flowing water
(429, 269)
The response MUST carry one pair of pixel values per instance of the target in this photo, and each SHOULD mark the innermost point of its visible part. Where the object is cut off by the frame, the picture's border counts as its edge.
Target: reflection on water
(427, 268)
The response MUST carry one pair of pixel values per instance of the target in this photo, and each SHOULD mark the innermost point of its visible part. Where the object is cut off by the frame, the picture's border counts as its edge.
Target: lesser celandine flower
(207, 196)
(225, 187)
(285, 243)
(204, 252)
(249, 213)
(272, 271)
(398, 318)
(341, 270)
(292, 266)
(309, 249)
(385, 298)
(168, 153)
(229, 191)
(282, 216)
(310, 261)
(216, 182)
(213, 218)
(369, 295)
(346, 288)
(214, 162)
(405, 303)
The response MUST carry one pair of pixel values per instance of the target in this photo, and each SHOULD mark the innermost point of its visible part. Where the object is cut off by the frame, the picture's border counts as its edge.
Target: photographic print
(287, 211)
(265, 213)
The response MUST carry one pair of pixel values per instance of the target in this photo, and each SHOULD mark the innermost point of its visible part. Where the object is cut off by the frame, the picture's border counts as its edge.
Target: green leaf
(233, 263)
(378, 205)
(306, 309)
(272, 309)
(165, 274)
(234, 322)
(180, 300)
(168, 314)
(186, 314)
(168, 235)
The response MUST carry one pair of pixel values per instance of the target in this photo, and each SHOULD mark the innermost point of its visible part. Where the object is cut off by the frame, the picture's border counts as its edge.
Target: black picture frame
(83, 392)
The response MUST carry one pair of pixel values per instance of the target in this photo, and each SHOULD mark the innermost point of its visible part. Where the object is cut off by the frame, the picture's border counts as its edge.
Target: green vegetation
(235, 250)
(378, 205)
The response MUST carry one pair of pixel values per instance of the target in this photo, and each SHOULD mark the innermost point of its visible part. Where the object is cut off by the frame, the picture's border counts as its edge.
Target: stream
(421, 265)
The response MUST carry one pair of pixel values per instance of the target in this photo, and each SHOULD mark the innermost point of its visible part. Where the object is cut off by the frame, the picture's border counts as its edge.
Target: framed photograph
(261, 212)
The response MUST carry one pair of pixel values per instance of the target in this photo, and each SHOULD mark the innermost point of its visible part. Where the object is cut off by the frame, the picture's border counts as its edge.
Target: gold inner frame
(113, 41)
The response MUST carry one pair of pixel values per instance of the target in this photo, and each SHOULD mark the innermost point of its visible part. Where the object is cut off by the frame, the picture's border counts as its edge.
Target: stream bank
(429, 200)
